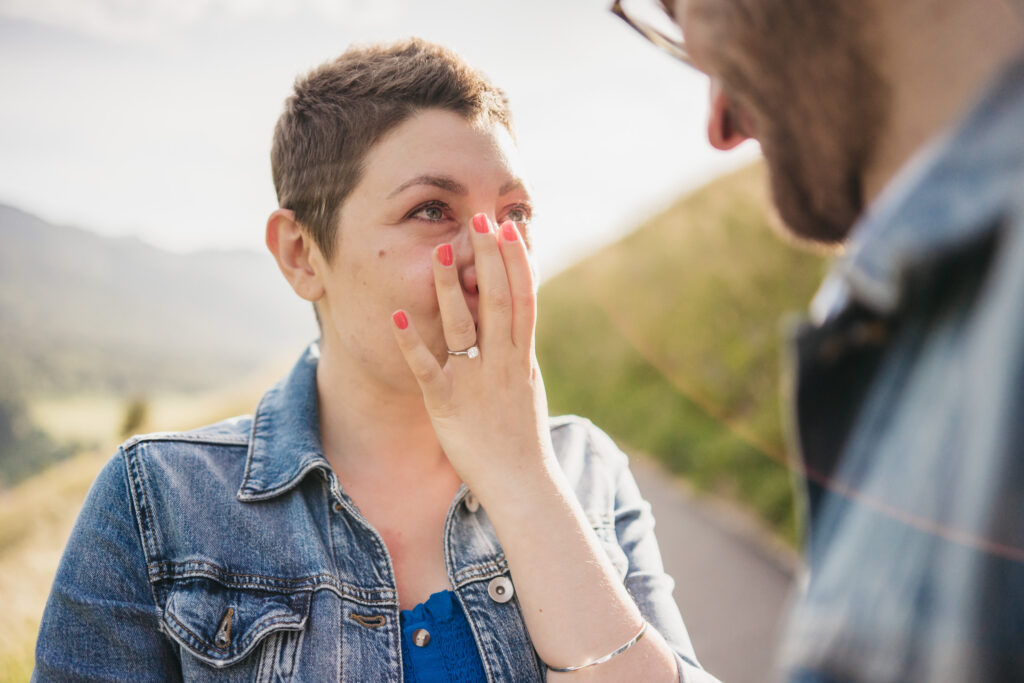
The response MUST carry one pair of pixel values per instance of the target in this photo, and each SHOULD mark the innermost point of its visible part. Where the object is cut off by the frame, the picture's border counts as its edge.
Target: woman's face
(421, 186)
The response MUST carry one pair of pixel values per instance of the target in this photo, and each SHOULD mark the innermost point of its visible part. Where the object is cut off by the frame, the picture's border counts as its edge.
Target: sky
(153, 118)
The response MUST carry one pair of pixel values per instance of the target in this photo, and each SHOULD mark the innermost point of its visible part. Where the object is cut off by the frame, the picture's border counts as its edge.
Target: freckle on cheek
(382, 253)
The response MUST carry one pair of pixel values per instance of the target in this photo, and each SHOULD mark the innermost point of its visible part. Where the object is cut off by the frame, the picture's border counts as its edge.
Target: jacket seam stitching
(308, 584)
(143, 517)
(186, 438)
(477, 578)
(250, 454)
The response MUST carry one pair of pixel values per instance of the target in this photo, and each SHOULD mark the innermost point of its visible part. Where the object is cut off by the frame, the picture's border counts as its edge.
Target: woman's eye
(431, 212)
(518, 214)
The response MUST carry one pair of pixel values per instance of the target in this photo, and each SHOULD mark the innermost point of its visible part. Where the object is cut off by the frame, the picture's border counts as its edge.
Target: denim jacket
(909, 404)
(233, 553)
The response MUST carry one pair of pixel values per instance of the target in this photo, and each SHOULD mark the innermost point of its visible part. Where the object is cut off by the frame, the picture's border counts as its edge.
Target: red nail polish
(444, 254)
(509, 232)
(480, 223)
(400, 320)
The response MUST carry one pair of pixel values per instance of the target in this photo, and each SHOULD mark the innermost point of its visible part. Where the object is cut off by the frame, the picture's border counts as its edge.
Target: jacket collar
(950, 195)
(285, 442)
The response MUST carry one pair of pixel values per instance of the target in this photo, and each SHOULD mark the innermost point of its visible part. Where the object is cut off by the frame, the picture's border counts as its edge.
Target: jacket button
(421, 637)
(472, 504)
(337, 507)
(500, 589)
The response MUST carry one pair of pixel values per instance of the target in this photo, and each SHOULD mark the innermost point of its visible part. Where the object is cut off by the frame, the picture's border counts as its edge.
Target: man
(897, 129)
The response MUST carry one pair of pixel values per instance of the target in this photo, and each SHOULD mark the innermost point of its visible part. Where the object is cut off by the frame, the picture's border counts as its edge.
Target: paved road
(732, 586)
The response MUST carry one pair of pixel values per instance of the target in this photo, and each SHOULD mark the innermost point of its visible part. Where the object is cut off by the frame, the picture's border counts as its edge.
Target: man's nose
(725, 130)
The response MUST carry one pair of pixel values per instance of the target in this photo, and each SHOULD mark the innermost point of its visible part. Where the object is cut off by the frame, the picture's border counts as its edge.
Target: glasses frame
(675, 48)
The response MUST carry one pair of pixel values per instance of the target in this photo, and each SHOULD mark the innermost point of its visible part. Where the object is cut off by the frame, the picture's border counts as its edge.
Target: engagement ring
(471, 352)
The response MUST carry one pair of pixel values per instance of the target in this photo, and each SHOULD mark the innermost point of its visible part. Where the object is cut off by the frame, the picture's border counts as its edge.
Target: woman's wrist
(516, 490)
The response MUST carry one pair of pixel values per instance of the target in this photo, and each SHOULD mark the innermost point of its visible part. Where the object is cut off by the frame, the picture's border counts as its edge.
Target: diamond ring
(471, 352)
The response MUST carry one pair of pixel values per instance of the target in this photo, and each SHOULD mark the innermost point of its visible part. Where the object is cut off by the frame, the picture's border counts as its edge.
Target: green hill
(92, 319)
(670, 340)
(80, 312)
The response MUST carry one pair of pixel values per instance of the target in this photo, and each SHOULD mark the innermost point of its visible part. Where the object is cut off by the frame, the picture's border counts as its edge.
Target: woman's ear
(293, 249)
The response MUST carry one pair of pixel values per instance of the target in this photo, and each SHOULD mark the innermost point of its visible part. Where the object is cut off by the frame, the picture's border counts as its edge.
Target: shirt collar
(285, 443)
(949, 194)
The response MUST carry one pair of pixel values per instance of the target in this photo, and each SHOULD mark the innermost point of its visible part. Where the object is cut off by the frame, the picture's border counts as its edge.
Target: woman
(400, 505)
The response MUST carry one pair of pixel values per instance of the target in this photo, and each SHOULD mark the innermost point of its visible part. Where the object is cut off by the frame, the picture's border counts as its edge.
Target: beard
(816, 189)
(818, 106)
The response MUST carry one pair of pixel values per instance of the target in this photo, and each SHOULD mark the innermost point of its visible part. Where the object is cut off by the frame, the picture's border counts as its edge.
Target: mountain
(670, 340)
(84, 313)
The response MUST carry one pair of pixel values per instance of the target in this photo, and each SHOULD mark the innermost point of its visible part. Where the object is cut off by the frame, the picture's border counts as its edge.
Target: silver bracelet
(601, 660)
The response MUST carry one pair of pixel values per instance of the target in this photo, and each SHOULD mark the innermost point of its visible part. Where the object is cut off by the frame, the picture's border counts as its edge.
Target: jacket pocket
(221, 625)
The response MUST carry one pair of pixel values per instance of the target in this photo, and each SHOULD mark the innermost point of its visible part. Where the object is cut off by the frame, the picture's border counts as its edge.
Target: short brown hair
(340, 109)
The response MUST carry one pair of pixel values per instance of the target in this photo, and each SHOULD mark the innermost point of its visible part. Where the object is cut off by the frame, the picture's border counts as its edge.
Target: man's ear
(294, 251)
(728, 125)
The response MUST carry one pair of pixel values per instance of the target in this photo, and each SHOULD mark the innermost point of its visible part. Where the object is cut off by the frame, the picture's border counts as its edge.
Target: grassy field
(35, 520)
(670, 341)
(37, 515)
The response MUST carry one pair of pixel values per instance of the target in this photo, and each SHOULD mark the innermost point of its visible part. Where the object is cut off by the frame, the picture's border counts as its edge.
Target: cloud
(143, 20)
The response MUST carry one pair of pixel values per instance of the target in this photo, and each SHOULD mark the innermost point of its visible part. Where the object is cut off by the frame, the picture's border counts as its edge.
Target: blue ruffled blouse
(438, 644)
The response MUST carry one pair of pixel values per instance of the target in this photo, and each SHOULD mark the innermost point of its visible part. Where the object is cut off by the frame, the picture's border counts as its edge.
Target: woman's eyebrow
(446, 183)
(514, 184)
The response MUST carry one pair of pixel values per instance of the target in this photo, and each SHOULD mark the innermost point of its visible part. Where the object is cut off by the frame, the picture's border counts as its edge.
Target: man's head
(796, 75)
(342, 108)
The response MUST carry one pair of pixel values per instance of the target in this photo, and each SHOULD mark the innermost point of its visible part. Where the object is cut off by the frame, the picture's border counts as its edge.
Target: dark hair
(340, 109)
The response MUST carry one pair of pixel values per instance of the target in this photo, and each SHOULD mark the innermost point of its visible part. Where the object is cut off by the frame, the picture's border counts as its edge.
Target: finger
(521, 285)
(495, 297)
(434, 384)
(456, 318)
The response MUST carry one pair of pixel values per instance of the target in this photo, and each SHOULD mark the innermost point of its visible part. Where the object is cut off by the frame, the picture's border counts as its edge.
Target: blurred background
(135, 294)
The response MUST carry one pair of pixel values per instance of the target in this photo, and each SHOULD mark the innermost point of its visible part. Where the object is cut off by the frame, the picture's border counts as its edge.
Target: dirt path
(732, 583)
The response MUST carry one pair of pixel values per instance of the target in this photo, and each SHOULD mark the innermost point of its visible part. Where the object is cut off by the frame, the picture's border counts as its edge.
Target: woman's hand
(489, 412)
(490, 415)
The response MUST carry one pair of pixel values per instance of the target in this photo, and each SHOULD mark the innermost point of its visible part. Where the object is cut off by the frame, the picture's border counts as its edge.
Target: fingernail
(444, 254)
(509, 232)
(480, 223)
(401, 322)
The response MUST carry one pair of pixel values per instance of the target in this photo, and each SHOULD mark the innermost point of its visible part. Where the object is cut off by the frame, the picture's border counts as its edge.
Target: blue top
(909, 392)
(449, 654)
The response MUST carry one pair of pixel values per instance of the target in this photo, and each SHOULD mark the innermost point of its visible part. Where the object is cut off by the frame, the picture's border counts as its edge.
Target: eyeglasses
(651, 20)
